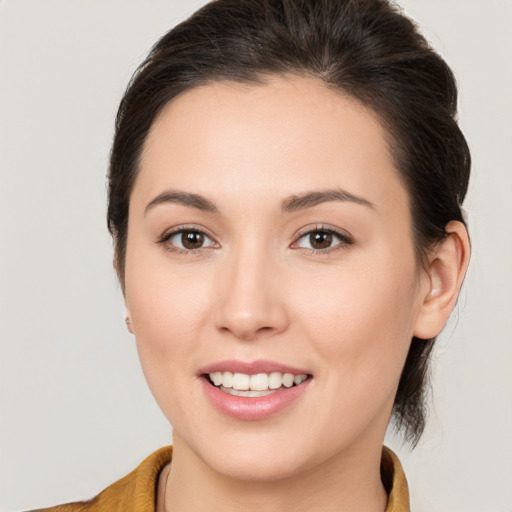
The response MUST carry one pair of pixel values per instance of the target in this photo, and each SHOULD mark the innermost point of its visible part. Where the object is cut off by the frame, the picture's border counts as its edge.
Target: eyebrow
(288, 205)
(185, 198)
(310, 199)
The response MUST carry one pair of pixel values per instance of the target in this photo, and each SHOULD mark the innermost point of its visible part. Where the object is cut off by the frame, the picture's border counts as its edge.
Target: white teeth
(288, 380)
(299, 378)
(229, 391)
(250, 393)
(227, 379)
(275, 380)
(241, 381)
(216, 378)
(259, 384)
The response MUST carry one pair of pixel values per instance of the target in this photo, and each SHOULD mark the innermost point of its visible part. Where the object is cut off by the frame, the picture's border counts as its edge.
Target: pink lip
(260, 366)
(255, 408)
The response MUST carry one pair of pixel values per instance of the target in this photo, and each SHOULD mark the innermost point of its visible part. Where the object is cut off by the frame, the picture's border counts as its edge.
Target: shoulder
(134, 492)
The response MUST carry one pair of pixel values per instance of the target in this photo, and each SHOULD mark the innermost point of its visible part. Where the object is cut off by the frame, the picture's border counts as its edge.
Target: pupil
(192, 239)
(321, 240)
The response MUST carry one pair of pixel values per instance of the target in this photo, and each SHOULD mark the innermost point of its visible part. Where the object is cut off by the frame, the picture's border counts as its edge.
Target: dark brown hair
(365, 48)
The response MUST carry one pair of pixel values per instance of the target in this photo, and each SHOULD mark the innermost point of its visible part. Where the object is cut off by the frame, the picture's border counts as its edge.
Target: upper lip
(251, 368)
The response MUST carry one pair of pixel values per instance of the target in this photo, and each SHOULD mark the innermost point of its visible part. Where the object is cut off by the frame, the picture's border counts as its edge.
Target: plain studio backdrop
(76, 413)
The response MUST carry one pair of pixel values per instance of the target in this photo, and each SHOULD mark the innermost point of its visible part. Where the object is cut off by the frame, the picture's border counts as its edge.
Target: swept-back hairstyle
(364, 48)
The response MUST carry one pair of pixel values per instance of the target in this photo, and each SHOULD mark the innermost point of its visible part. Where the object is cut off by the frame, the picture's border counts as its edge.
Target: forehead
(284, 136)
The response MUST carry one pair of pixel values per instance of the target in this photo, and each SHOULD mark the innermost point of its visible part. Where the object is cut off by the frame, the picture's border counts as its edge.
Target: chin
(262, 467)
(264, 455)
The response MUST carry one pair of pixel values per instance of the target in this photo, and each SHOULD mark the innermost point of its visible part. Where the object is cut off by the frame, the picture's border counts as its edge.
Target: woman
(285, 194)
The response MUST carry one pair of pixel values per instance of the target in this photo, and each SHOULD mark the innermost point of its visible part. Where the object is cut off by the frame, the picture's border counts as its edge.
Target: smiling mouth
(254, 385)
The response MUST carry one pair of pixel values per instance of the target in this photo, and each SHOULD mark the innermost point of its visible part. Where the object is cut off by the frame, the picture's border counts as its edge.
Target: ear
(128, 317)
(447, 265)
(128, 321)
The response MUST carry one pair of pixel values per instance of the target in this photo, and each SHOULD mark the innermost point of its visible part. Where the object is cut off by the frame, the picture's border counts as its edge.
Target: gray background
(75, 412)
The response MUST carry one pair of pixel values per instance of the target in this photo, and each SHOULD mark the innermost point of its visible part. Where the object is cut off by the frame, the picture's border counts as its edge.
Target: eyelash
(344, 240)
(164, 239)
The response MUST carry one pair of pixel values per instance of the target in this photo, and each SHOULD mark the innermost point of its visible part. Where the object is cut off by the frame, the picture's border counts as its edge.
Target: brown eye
(320, 239)
(192, 239)
(187, 240)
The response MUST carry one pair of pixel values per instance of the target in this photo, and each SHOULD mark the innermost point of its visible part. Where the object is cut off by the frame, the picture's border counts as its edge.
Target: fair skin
(330, 287)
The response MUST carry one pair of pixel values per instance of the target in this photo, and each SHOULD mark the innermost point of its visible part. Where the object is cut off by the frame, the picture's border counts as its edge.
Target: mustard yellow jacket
(136, 491)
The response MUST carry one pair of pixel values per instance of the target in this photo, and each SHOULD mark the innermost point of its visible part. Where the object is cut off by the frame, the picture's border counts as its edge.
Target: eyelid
(168, 234)
(345, 238)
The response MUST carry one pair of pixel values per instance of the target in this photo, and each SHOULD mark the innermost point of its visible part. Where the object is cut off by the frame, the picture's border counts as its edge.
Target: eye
(184, 239)
(322, 239)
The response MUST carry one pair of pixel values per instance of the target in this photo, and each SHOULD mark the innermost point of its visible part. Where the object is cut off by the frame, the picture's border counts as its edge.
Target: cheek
(359, 295)
(166, 309)
(360, 321)
(163, 298)
(163, 306)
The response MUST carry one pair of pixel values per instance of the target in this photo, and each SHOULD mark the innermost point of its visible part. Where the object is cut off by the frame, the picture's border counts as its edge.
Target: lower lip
(253, 408)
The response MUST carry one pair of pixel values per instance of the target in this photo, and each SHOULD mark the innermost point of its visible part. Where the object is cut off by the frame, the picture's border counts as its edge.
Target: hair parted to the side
(365, 48)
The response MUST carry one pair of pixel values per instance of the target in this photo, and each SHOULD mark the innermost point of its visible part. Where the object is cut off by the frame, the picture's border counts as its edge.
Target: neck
(351, 482)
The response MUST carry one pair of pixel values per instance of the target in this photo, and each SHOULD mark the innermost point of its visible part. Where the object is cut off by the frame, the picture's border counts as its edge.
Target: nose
(250, 302)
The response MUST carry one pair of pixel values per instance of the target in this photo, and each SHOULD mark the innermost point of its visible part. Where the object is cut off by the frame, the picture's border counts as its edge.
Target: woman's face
(269, 233)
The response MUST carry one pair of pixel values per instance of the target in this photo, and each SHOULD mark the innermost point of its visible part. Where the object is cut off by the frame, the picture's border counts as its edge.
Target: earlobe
(128, 322)
(447, 267)
(128, 318)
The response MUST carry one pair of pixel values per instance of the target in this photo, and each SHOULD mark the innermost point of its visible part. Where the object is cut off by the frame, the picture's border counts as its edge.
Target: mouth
(254, 385)
(253, 391)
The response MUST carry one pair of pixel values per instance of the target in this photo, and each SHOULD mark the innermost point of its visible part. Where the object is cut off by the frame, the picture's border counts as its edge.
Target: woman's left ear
(447, 265)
